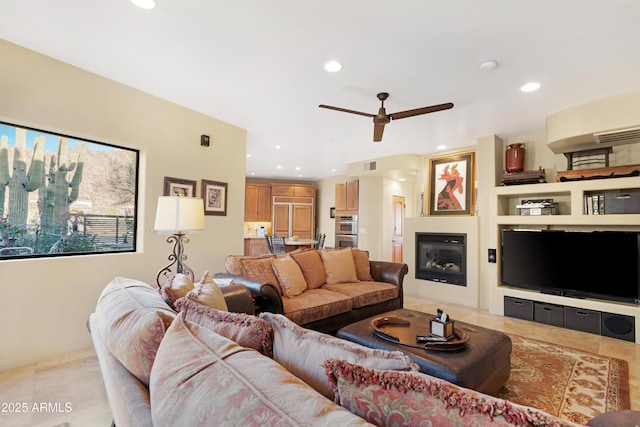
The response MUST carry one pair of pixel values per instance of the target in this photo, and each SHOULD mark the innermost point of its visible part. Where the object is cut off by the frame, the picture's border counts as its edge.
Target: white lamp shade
(179, 214)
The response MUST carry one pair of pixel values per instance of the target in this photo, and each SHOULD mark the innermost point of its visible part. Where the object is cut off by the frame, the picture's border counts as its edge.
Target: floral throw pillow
(414, 399)
(246, 330)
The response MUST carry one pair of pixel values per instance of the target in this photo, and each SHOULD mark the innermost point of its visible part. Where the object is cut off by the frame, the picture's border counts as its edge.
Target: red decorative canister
(514, 158)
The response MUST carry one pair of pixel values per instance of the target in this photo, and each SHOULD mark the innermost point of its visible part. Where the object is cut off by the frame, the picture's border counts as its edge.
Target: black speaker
(619, 326)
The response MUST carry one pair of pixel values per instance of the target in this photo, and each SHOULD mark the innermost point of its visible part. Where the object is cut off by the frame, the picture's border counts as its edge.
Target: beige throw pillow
(339, 266)
(312, 267)
(176, 287)
(361, 260)
(289, 275)
(208, 293)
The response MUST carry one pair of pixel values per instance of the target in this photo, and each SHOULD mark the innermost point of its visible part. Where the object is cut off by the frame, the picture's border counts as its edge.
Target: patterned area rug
(564, 382)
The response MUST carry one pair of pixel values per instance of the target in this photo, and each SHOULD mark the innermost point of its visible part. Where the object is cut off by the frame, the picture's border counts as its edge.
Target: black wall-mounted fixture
(204, 140)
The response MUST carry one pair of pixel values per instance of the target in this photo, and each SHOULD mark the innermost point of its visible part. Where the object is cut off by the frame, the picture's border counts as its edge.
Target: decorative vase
(514, 158)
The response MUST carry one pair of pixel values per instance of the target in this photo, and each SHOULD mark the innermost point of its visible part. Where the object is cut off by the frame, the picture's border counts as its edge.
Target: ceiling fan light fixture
(145, 4)
(333, 66)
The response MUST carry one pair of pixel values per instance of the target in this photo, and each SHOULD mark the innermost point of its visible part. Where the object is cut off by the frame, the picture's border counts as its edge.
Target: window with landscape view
(61, 195)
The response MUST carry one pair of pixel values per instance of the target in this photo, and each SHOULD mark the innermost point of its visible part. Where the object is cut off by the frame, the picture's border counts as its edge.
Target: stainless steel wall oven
(347, 231)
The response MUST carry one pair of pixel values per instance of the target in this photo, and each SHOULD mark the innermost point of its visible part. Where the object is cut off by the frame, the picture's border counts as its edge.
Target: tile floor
(68, 391)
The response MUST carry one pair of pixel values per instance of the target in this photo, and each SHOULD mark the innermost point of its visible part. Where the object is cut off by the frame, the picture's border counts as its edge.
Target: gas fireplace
(441, 258)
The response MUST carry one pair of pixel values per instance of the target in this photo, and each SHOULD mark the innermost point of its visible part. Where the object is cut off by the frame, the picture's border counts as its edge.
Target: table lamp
(177, 215)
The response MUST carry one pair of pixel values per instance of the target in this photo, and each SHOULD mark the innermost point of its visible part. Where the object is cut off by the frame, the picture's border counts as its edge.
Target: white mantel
(465, 295)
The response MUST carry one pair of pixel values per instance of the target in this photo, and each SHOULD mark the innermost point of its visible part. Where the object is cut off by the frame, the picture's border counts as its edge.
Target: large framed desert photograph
(64, 195)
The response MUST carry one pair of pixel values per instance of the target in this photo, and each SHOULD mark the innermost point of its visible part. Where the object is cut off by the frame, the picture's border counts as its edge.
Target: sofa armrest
(389, 272)
(238, 299)
(266, 296)
(129, 399)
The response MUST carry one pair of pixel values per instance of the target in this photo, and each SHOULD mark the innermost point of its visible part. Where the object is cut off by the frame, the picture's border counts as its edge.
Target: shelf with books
(574, 199)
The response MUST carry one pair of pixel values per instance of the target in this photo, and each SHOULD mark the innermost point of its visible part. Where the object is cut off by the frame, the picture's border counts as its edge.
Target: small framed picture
(451, 184)
(214, 195)
(179, 187)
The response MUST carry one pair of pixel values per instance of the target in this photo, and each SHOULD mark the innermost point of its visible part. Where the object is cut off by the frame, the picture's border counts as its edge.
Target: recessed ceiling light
(441, 147)
(248, 155)
(253, 173)
(277, 147)
(144, 4)
(530, 87)
(333, 66)
(489, 65)
(297, 168)
(279, 167)
(402, 179)
(333, 170)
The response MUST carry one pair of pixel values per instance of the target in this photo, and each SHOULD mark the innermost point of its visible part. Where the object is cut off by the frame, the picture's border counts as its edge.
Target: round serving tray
(400, 331)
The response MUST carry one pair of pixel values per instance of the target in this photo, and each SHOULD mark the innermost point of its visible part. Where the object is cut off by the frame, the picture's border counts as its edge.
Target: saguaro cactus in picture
(4, 171)
(62, 189)
(21, 182)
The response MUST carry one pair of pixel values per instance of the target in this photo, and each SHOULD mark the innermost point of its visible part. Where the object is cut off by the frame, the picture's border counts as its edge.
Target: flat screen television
(581, 264)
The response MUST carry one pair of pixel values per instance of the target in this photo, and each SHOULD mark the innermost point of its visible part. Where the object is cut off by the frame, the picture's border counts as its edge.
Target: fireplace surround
(441, 257)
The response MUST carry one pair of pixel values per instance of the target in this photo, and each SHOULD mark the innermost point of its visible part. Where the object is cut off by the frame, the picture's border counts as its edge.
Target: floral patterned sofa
(322, 290)
(184, 360)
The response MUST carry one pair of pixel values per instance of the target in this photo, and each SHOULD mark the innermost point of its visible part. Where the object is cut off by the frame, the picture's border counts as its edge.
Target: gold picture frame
(451, 182)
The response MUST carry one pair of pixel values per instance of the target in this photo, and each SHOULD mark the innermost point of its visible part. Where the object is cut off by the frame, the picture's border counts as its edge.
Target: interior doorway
(398, 228)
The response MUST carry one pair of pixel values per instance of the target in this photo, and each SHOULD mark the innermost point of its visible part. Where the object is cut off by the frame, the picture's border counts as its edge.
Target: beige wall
(46, 302)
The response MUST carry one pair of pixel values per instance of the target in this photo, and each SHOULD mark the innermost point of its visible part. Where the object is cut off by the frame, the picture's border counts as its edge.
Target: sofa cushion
(232, 264)
(339, 266)
(259, 269)
(365, 293)
(412, 398)
(361, 261)
(289, 275)
(207, 292)
(312, 267)
(303, 351)
(316, 304)
(203, 379)
(132, 319)
(247, 330)
(176, 286)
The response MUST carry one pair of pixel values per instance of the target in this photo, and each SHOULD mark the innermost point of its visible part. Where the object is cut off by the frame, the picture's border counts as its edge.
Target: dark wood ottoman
(483, 364)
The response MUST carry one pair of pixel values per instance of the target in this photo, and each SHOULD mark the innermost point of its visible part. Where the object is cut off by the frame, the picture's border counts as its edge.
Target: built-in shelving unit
(570, 197)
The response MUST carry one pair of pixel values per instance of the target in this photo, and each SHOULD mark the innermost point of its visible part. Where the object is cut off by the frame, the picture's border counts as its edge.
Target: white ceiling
(259, 65)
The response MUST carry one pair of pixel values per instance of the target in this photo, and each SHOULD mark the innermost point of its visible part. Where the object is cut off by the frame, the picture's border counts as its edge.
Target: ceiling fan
(382, 118)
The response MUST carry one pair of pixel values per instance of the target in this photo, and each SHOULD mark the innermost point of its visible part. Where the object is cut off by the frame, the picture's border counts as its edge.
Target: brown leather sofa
(269, 297)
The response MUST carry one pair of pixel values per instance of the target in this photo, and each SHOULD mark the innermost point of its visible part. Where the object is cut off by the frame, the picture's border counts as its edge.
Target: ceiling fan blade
(419, 111)
(344, 110)
(378, 128)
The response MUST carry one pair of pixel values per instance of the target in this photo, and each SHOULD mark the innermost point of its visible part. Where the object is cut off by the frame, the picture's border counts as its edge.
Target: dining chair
(320, 240)
(275, 244)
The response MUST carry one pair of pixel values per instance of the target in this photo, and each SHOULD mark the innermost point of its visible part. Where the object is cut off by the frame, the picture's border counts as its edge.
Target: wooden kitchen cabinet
(255, 247)
(293, 210)
(257, 202)
(347, 197)
(293, 220)
(293, 190)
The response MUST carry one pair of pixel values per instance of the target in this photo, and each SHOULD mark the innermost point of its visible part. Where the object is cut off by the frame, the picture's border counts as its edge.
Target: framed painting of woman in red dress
(451, 184)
